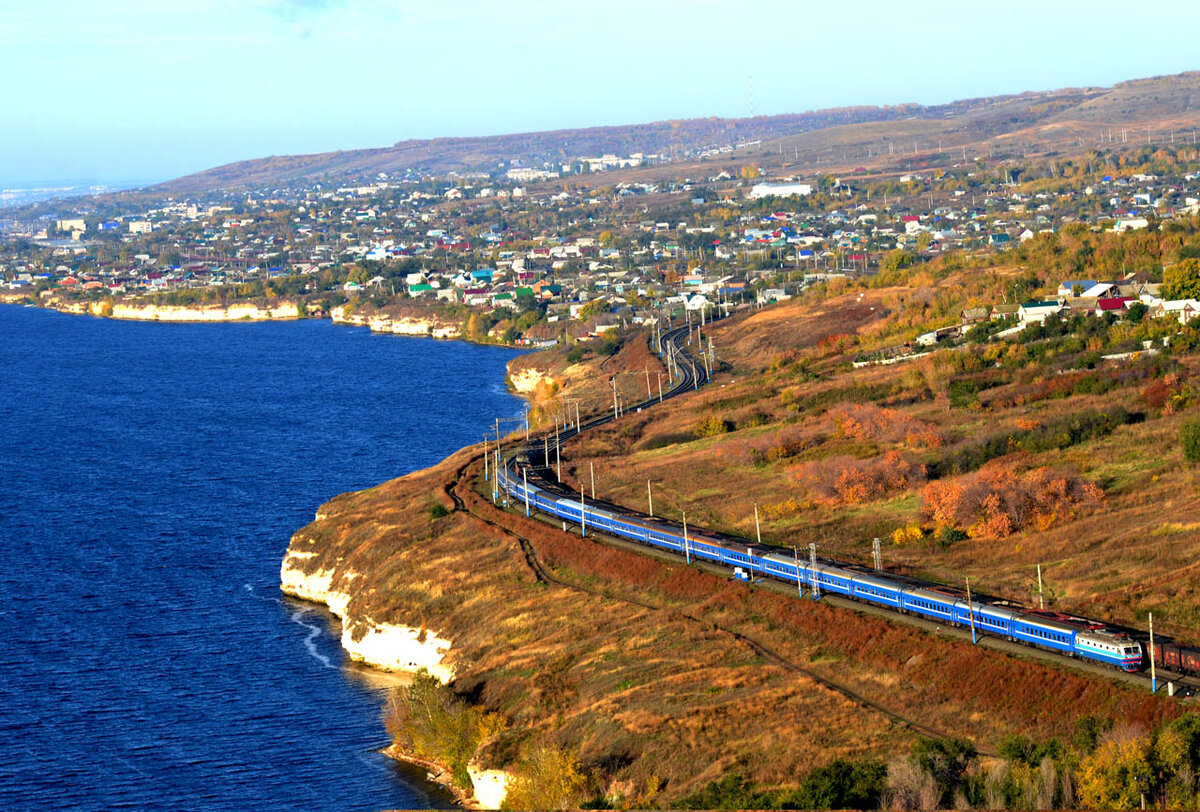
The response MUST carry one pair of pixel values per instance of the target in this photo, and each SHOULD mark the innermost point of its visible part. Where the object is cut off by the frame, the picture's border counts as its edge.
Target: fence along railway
(526, 475)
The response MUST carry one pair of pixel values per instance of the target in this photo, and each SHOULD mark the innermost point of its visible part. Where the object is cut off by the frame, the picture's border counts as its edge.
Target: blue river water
(150, 478)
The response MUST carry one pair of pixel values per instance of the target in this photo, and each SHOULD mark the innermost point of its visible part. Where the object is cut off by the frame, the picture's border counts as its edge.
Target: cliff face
(133, 311)
(386, 646)
(431, 326)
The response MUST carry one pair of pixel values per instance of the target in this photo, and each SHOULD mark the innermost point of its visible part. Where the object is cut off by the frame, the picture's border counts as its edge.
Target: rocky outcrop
(134, 311)
(386, 646)
(430, 326)
(526, 379)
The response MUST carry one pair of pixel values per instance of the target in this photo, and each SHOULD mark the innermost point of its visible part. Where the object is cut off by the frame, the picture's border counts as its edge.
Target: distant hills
(814, 139)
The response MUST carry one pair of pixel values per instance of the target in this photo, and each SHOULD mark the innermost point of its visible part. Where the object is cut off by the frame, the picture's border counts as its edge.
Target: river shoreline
(244, 312)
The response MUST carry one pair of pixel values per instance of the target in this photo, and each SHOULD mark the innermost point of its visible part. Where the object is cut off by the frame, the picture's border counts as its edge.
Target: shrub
(870, 422)
(548, 778)
(711, 426)
(1189, 438)
(846, 480)
(438, 511)
(430, 721)
(997, 501)
(576, 354)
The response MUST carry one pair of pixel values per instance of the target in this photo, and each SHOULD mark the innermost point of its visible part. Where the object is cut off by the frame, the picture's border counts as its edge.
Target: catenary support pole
(757, 529)
(1153, 676)
(971, 612)
(687, 550)
(1041, 594)
(592, 469)
(525, 484)
(799, 580)
(816, 581)
(650, 498)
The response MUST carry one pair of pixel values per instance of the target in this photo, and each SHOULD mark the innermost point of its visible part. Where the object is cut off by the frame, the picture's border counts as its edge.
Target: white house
(1037, 312)
(780, 190)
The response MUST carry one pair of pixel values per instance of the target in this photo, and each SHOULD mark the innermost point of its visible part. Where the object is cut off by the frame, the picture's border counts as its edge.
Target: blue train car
(833, 579)
(1049, 634)
(785, 569)
(929, 604)
(875, 590)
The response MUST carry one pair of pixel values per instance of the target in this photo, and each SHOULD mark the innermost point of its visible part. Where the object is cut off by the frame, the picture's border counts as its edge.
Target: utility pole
(592, 468)
(687, 551)
(757, 530)
(582, 514)
(971, 612)
(799, 580)
(649, 394)
(660, 396)
(816, 583)
(650, 498)
(1041, 595)
(525, 484)
(877, 554)
(557, 458)
(485, 459)
(1153, 676)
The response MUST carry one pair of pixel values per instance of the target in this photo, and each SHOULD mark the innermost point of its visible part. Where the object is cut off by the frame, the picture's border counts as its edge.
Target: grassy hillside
(834, 139)
(657, 682)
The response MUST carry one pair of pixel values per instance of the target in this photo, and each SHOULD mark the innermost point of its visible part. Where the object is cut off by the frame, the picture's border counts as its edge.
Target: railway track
(691, 376)
(768, 654)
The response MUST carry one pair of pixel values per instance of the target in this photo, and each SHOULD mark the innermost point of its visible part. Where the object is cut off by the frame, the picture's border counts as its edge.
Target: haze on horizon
(140, 91)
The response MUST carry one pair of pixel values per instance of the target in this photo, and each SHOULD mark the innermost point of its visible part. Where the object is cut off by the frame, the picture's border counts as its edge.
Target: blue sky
(141, 90)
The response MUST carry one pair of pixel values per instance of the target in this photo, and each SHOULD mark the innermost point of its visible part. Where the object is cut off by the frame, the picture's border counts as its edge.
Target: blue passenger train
(1072, 636)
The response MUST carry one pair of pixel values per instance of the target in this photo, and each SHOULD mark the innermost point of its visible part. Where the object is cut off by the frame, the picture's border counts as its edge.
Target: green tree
(1189, 439)
(841, 784)
(1117, 774)
(1182, 280)
(430, 721)
(549, 778)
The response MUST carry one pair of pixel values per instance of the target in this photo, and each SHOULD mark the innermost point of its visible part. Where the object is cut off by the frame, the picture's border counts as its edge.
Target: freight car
(1182, 659)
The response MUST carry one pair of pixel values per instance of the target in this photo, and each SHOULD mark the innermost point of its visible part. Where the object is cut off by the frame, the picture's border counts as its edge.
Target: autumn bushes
(870, 422)
(851, 481)
(997, 500)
